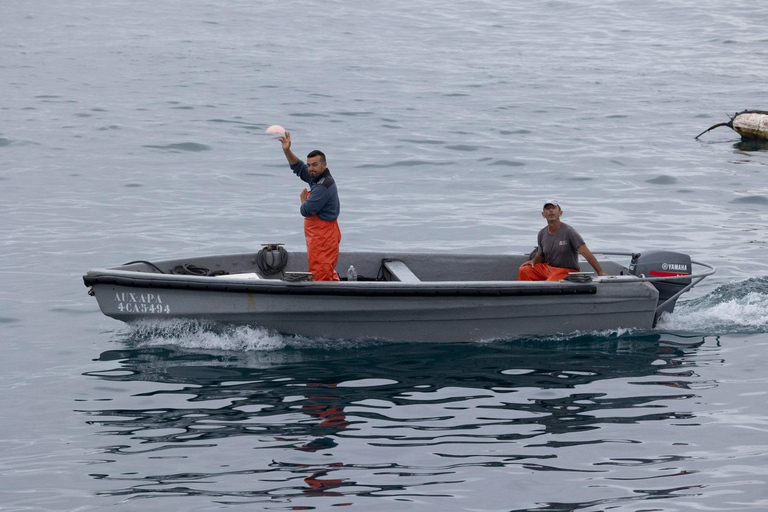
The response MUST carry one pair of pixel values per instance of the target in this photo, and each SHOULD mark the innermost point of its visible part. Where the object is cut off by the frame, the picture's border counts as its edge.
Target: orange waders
(323, 238)
(542, 272)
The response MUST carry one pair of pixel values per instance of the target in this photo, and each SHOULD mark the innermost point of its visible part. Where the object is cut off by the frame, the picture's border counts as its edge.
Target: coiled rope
(186, 269)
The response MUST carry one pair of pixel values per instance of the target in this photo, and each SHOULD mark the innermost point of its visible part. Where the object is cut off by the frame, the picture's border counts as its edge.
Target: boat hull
(441, 312)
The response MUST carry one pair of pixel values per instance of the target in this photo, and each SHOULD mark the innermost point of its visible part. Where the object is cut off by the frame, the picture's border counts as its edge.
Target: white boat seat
(400, 271)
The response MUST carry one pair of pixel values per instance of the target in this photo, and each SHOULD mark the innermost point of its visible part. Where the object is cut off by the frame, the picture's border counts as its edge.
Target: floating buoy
(750, 124)
(276, 128)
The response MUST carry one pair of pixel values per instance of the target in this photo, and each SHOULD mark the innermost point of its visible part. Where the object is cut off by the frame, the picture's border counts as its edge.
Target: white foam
(197, 334)
(744, 314)
(194, 334)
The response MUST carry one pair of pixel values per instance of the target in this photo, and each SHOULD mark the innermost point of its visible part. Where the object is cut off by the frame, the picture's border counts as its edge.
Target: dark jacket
(323, 199)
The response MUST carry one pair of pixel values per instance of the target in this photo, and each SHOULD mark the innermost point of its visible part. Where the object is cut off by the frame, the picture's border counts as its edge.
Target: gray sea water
(135, 130)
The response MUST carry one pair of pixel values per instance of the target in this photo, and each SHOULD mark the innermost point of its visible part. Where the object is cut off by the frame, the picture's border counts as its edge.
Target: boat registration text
(141, 303)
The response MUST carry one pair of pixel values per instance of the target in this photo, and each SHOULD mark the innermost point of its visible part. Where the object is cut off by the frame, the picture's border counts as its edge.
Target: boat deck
(370, 266)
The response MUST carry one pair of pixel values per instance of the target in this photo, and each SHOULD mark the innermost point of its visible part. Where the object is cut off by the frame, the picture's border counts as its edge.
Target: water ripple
(182, 146)
(752, 200)
(483, 404)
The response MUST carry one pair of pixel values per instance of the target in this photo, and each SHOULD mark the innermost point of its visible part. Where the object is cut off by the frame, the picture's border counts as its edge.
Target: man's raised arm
(285, 140)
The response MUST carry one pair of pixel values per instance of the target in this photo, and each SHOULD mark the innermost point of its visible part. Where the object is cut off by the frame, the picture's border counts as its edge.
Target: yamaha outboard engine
(663, 264)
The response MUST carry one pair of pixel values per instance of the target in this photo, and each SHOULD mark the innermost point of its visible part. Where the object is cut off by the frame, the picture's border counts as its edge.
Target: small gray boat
(398, 296)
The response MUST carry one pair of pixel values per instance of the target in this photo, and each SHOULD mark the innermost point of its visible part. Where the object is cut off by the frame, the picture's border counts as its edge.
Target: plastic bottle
(351, 274)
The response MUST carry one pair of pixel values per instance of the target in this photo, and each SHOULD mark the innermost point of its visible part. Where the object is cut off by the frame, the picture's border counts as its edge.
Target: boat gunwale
(358, 288)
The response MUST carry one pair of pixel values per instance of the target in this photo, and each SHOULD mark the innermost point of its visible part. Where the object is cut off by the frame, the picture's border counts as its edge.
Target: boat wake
(740, 307)
(198, 334)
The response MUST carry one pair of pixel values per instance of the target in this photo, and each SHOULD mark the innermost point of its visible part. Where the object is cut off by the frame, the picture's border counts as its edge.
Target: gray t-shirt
(560, 249)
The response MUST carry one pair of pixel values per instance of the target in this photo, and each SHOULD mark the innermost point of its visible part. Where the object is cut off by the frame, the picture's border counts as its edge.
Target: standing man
(320, 209)
(558, 251)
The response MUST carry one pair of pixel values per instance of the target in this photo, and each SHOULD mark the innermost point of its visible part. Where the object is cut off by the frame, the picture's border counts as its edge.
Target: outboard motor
(663, 264)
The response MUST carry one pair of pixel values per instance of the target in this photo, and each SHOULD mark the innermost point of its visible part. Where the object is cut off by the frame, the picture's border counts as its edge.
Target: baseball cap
(551, 202)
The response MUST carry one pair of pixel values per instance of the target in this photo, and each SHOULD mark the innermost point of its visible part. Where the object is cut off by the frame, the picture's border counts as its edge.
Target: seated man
(558, 251)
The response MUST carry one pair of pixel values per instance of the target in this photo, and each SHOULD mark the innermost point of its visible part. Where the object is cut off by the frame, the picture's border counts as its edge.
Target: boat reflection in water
(372, 420)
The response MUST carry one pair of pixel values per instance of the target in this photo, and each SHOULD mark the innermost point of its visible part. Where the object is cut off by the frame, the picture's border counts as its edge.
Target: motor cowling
(663, 264)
